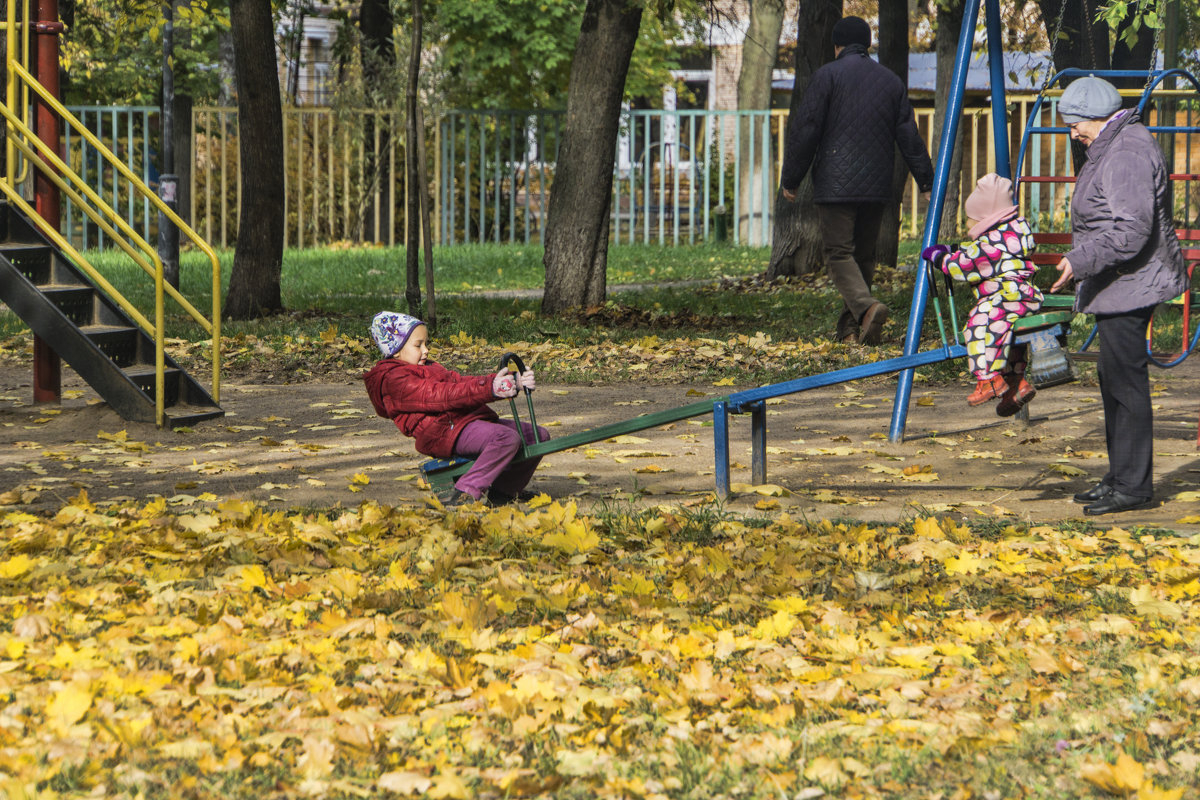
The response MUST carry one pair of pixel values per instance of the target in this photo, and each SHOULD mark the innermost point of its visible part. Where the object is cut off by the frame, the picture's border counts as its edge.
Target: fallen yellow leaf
(68, 706)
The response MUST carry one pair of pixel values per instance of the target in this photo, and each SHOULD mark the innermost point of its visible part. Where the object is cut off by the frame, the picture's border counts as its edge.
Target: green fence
(678, 176)
(132, 133)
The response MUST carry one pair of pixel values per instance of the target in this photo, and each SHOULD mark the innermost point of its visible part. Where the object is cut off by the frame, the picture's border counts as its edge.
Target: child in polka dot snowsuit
(995, 263)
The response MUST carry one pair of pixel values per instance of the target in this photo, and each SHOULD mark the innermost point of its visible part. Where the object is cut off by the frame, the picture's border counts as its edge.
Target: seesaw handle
(512, 401)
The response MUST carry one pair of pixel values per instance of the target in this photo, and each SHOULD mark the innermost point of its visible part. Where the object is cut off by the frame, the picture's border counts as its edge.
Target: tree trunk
(1090, 49)
(296, 46)
(576, 254)
(893, 54)
(760, 48)
(227, 82)
(375, 23)
(168, 234)
(796, 239)
(949, 25)
(426, 231)
(258, 260)
(412, 197)
(1139, 57)
(1082, 43)
(378, 52)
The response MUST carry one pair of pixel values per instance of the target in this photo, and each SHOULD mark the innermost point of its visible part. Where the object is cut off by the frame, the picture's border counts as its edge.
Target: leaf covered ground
(269, 605)
(662, 653)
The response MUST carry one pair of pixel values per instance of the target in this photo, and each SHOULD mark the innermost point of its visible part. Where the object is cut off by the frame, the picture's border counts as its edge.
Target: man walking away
(853, 115)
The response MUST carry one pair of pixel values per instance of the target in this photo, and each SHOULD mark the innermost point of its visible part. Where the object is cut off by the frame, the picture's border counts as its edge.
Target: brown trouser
(850, 234)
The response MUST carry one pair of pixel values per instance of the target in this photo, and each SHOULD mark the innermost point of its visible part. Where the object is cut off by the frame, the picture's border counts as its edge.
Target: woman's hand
(527, 381)
(1065, 275)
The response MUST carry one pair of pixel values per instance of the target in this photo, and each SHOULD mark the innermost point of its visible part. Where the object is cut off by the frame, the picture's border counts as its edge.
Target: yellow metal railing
(44, 158)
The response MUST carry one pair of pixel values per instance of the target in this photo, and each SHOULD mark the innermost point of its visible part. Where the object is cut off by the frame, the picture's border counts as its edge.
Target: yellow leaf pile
(669, 653)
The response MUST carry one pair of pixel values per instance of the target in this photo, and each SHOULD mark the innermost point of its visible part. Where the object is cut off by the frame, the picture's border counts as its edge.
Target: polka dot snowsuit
(996, 267)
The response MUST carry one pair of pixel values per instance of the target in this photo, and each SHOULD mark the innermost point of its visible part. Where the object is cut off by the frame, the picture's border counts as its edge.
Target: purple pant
(493, 445)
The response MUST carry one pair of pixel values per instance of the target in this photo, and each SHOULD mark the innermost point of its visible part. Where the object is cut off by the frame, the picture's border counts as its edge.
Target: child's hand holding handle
(935, 254)
(504, 384)
(527, 382)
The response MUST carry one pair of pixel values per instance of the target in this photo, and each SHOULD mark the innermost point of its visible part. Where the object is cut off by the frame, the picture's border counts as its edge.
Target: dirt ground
(319, 445)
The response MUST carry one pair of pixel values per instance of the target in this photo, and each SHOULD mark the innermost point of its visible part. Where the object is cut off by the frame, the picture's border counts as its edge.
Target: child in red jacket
(447, 413)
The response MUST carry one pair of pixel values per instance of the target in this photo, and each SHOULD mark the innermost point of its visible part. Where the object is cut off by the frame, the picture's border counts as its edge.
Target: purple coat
(1125, 253)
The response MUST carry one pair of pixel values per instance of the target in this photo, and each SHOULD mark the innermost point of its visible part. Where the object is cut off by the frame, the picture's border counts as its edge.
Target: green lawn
(674, 295)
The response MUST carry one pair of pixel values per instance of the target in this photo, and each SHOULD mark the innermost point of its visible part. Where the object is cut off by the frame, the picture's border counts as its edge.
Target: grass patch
(683, 298)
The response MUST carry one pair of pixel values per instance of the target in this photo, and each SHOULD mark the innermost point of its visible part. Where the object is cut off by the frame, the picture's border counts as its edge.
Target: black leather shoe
(1116, 501)
(1093, 494)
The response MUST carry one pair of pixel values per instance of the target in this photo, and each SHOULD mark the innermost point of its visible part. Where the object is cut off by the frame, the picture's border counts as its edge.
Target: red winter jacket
(428, 402)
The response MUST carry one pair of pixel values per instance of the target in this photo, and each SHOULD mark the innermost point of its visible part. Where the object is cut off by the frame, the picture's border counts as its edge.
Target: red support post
(47, 367)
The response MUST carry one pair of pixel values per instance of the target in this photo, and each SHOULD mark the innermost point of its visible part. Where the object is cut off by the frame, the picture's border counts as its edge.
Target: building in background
(304, 41)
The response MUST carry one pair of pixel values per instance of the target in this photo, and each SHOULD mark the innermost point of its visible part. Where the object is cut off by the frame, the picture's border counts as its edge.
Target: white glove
(504, 385)
(526, 379)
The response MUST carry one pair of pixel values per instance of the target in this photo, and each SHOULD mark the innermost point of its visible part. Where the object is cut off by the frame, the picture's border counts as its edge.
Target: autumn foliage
(663, 653)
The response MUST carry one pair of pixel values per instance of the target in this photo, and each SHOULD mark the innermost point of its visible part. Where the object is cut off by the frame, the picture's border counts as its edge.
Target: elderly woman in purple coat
(1125, 260)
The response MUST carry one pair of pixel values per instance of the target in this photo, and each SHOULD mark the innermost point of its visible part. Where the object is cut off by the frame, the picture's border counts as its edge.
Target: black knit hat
(851, 30)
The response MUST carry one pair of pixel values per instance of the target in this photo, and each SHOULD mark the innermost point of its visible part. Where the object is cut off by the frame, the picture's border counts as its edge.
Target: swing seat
(440, 474)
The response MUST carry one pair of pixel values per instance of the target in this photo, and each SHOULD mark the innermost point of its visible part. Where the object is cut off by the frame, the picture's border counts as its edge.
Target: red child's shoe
(987, 389)
(1016, 396)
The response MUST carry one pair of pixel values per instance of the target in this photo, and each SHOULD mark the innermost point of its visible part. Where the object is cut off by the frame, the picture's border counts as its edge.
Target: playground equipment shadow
(318, 445)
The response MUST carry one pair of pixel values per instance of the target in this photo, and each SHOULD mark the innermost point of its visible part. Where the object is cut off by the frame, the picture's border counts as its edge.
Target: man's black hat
(851, 30)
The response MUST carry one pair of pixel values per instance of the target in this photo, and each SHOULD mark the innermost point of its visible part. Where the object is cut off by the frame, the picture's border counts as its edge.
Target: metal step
(118, 342)
(76, 301)
(31, 260)
(179, 416)
(144, 376)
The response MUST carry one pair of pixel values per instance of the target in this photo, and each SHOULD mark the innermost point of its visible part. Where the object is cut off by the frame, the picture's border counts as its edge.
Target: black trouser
(1125, 390)
(850, 235)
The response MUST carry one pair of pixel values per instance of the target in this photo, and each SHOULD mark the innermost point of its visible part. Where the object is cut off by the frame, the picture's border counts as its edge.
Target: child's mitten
(935, 254)
(504, 385)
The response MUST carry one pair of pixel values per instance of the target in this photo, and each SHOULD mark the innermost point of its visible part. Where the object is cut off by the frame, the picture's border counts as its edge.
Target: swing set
(1048, 365)
(1044, 335)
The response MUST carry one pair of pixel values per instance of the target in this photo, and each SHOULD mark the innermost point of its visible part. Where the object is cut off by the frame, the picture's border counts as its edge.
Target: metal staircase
(75, 313)
(89, 331)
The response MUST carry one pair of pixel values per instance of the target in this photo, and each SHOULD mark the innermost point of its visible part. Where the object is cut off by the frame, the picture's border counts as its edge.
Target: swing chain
(1086, 31)
(1062, 9)
(1158, 31)
(1193, 59)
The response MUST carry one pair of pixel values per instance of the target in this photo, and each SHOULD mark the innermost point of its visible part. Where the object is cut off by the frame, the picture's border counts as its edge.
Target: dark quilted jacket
(428, 402)
(853, 114)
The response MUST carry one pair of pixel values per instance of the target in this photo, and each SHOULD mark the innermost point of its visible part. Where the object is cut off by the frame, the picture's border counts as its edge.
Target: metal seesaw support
(754, 401)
